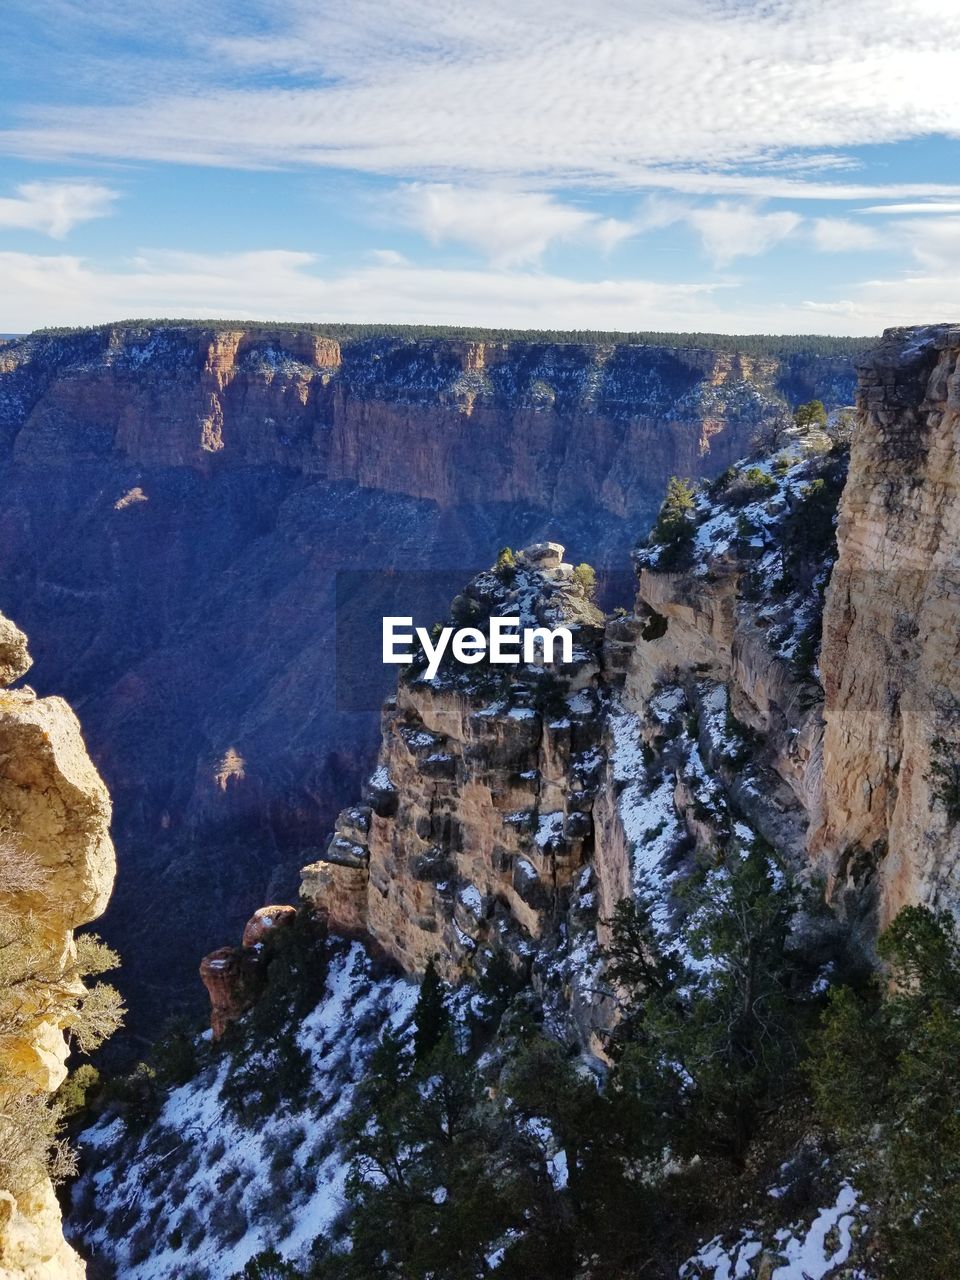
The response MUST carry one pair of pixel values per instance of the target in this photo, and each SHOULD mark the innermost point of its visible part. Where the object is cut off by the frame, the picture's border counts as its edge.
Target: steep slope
(56, 873)
(891, 647)
(188, 511)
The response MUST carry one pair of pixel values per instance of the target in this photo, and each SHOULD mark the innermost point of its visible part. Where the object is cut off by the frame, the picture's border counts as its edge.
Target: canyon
(188, 511)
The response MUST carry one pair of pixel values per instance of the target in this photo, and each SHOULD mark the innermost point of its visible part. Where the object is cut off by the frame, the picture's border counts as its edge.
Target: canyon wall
(891, 637)
(57, 872)
(185, 509)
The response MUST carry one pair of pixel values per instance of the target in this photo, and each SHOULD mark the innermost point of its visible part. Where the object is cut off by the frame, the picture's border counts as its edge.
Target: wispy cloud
(54, 208)
(935, 207)
(842, 235)
(703, 97)
(275, 284)
(511, 228)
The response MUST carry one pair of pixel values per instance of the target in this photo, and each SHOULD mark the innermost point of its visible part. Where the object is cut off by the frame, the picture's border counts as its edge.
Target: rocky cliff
(508, 820)
(891, 645)
(57, 872)
(712, 703)
(185, 511)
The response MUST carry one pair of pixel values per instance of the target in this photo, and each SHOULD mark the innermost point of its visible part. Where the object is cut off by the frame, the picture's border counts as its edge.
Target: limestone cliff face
(891, 641)
(181, 511)
(55, 812)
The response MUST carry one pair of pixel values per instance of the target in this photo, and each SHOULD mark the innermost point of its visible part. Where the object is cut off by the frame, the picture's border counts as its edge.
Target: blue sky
(732, 166)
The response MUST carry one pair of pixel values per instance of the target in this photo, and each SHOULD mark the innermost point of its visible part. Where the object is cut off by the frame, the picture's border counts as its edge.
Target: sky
(737, 166)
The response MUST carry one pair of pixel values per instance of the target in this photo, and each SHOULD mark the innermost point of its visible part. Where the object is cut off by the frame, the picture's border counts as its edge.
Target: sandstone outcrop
(54, 818)
(496, 824)
(478, 818)
(234, 976)
(891, 641)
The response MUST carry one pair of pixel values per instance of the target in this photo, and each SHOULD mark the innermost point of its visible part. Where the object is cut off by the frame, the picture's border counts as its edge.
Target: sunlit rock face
(55, 819)
(178, 504)
(891, 640)
(477, 819)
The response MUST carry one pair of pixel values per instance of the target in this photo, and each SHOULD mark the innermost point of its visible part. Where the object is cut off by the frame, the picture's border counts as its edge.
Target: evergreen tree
(811, 416)
(430, 1016)
(674, 527)
(713, 1045)
(885, 1074)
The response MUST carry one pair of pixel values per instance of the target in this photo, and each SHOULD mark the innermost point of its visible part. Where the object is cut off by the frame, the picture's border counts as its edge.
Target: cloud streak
(698, 96)
(277, 284)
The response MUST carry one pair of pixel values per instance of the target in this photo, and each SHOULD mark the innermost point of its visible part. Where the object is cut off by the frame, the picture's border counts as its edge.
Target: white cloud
(54, 208)
(639, 95)
(52, 290)
(726, 230)
(938, 207)
(273, 284)
(841, 235)
(733, 231)
(511, 228)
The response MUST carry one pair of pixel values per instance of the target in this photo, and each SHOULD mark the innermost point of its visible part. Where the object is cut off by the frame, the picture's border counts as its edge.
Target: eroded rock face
(478, 816)
(891, 641)
(55, 813)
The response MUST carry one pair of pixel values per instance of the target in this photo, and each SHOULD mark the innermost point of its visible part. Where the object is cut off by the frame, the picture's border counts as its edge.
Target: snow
(803, 1251)
(338, 1035)
(472, 899)
(549, 827)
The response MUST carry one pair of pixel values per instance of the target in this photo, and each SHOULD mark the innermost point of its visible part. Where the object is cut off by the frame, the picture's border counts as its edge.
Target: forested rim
(754, 344)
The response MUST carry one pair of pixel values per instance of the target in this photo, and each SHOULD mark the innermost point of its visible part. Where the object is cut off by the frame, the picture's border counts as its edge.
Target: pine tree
(885, 1074)
(811, 416)
(430, 1015)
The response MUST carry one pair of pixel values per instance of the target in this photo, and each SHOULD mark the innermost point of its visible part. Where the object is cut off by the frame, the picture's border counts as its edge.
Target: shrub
(74, 1095)
(35, 975)
(506, 566)
(228, 1221)
(586, 577)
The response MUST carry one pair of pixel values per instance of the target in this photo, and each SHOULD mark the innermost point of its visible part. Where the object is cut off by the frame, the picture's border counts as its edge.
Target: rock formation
(711, 704)
(478, 816)
(185, 511)
(891, 641)
(234, 976)
(510, 818)
(54, 818)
